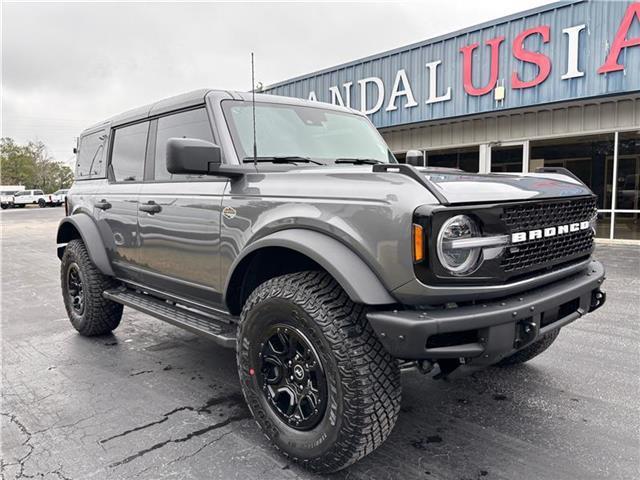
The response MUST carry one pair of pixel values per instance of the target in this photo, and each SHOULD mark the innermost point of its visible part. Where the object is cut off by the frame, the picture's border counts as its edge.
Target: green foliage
(31, 166)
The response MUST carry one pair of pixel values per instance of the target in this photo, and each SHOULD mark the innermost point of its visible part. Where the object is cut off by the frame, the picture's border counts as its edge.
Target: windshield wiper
(358, 161)
(290, 159)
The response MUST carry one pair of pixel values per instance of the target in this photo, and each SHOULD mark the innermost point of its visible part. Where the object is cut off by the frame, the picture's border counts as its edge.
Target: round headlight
(455, 258)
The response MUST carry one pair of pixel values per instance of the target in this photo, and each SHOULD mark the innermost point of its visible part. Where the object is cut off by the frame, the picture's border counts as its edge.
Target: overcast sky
(66, 66)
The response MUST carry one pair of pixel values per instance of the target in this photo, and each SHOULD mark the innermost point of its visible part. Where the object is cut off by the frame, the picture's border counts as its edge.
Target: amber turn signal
(418, 243)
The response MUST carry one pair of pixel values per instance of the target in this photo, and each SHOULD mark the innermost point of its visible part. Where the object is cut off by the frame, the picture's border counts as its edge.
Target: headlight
(452, 253)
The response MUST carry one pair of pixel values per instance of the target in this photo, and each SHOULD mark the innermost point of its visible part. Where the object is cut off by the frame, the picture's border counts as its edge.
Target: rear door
(179, 216)
(116, 202)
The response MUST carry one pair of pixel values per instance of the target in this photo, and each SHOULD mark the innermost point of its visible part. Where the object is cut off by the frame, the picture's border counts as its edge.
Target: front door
(179, 217)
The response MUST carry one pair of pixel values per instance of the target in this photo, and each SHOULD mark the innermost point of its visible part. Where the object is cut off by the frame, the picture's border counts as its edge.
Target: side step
(217, 329)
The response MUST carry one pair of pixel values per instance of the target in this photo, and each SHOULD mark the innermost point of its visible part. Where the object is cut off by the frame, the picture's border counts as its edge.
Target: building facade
(555, 86)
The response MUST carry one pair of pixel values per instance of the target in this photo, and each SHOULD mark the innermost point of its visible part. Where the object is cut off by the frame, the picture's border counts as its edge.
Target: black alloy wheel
(292, 377)
(75, 288)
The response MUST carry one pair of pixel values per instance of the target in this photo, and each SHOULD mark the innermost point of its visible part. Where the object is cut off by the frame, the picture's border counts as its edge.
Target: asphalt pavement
(152, 401)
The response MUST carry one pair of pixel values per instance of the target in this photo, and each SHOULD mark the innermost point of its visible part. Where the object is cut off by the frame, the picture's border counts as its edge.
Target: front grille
(552, 250)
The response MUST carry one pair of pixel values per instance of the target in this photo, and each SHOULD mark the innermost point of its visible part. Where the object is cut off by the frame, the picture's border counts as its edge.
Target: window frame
(150, 166)
(148, 172)
(112, 136)
(105, 130)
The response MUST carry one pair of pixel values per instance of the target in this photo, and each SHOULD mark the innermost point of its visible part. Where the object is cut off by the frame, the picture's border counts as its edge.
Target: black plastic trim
(404, 333)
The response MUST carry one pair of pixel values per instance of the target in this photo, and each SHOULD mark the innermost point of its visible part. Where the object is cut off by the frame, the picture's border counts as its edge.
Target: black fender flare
(90, 235)
(356, 278)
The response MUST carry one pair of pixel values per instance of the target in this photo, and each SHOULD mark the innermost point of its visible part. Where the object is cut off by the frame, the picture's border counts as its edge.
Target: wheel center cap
(298, 372)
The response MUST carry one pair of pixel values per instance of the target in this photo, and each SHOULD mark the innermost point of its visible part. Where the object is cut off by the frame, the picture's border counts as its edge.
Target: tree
(30, 165)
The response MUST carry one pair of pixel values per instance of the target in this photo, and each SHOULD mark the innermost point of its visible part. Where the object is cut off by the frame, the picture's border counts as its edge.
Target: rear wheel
(82, 287)
(533, 350)
(313, 372)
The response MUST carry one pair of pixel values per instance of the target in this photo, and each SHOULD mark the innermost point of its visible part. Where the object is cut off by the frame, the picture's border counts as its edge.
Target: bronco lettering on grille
(549, 231)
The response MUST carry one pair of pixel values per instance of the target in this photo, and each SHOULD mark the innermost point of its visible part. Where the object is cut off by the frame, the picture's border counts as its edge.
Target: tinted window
(129, 148)
(90, 158)
(191, 124)
(38, 192)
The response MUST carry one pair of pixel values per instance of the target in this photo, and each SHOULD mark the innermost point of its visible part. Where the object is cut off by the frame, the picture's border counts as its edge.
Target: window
(590, 158)
(129, 148)
(38, 192)
(627, 223)
(190, 124)
(292, 130)
(467, 159)
(90, 159)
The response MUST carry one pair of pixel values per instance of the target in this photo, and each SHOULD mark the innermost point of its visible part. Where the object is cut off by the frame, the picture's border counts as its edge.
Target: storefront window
(627, 187)
(628, 178)
(627, 226)
(590, 158)
(603, 225)
(507, 159)
(467, 159)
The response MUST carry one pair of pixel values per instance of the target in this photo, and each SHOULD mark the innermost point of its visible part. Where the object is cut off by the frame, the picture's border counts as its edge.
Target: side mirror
(415, 158)
(191, 155)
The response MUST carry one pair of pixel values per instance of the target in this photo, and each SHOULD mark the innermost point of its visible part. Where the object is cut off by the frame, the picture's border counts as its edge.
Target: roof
(197, 97)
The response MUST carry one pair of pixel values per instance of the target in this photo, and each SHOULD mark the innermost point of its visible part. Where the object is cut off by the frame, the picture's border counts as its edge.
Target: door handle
(150, 207)
(102, 205)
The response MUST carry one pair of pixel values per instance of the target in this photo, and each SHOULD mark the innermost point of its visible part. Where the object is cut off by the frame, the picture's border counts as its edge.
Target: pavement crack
(205, 408)
(141, 372)
(27, 442)
(185, 438)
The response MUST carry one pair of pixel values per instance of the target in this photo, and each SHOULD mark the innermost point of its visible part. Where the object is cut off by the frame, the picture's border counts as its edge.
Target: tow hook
(598, 297)
(526, 331)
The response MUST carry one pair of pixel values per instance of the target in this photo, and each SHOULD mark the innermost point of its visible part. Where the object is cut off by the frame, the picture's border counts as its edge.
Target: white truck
(58, 197)
(6, 194)
(30, 197)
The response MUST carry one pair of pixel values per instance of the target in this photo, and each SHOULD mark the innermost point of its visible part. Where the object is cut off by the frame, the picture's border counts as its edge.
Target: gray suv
(287, 230)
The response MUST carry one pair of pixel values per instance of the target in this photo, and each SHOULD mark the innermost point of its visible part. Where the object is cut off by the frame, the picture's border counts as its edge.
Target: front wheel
(316, 378)
(42, 203)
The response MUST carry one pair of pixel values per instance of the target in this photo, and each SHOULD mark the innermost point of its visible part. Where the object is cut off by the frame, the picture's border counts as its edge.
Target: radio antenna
(253, 111)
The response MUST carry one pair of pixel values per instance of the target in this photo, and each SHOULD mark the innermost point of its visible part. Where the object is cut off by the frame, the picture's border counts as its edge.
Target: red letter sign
(542, 61)
(467, 77)
(620, 42)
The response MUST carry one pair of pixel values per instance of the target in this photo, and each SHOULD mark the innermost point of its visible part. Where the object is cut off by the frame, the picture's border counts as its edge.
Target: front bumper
(488, 331)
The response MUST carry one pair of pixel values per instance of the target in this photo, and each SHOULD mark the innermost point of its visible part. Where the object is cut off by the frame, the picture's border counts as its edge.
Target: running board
(217, 329)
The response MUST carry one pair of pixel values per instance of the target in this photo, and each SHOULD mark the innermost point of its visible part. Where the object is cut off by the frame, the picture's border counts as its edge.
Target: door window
(190, 124)
(129, 149)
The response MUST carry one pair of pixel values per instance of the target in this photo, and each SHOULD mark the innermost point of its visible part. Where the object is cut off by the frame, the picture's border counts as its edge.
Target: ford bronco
(287, 230)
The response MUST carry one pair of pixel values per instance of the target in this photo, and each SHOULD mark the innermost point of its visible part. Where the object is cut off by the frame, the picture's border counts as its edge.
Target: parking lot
(154, 401)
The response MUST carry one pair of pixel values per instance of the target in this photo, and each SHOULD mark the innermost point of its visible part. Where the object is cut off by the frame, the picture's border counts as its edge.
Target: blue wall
(602, 19)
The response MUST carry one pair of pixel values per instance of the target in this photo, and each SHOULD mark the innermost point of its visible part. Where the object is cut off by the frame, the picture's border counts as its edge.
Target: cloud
(68, 65)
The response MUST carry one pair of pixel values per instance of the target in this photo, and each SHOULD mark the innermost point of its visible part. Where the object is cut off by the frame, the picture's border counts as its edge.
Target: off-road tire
(363, 380)
(99, 316)
(533, 350)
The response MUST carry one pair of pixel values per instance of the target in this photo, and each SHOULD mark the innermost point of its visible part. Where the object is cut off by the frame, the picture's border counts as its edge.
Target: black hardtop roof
(197, 97)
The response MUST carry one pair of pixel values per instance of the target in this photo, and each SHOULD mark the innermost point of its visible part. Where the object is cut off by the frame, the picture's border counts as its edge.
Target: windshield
(305, 132)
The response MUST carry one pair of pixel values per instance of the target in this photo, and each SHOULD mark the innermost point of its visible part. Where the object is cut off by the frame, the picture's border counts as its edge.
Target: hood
(460, 188)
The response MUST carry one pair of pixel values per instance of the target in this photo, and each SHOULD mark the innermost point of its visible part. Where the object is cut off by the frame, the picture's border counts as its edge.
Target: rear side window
(90, 159)
(190, 124)
(127, 154)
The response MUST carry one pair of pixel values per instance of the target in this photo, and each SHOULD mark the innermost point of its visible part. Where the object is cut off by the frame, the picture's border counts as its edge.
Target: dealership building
(555, 86)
